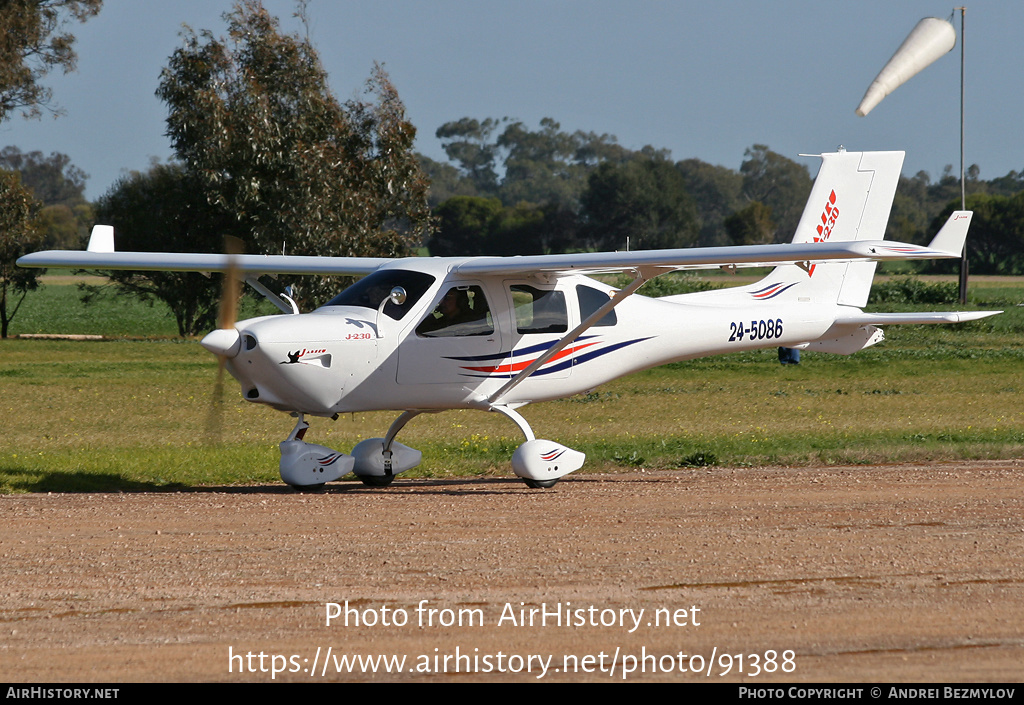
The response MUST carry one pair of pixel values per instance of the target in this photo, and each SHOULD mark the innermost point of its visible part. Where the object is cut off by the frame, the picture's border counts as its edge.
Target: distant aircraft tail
(850, 200)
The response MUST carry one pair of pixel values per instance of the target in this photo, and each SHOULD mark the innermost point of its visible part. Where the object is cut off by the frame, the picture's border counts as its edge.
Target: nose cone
(223, 342)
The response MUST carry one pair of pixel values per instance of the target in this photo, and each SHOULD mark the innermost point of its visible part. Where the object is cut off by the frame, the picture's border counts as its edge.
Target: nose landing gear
(376, 461)
(307, 466)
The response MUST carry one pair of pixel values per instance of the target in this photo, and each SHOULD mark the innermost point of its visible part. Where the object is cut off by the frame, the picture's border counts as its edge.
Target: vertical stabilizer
(850, 200)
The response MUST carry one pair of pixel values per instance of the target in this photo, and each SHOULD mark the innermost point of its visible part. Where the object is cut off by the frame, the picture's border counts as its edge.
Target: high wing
(193, 262)
(660, 261)
(100, 254)
(707, 257)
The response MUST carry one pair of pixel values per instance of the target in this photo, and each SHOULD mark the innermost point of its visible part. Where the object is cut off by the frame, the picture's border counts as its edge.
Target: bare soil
(847, 574)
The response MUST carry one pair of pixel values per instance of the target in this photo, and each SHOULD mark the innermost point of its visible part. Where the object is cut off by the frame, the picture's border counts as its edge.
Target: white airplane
(420, 335)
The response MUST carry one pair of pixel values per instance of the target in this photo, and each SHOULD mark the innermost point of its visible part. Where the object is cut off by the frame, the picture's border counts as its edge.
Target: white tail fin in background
(850, 200)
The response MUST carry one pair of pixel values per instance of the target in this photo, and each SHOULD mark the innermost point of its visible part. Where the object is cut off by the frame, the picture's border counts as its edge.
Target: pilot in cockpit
(462, 311)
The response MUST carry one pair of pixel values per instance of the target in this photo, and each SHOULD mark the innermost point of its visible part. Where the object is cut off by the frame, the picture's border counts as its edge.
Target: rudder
(850, 200)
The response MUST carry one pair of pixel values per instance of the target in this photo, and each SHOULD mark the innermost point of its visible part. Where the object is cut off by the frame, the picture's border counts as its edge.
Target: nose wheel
(307, 466)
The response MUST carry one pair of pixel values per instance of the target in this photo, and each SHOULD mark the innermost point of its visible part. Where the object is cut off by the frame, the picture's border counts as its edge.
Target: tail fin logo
(829, 216)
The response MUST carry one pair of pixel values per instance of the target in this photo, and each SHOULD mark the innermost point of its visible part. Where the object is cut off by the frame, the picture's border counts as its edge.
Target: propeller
(224, 342)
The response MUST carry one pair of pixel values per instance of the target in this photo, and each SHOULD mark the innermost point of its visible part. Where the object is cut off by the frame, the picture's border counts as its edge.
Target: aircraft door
(459, 335)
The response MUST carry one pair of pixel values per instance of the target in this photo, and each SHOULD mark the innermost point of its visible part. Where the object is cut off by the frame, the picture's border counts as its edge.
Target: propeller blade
(224, 342)
(229, 296)
(214, 422)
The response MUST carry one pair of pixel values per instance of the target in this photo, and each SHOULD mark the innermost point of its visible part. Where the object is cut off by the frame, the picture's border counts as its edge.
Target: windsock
(929, 40)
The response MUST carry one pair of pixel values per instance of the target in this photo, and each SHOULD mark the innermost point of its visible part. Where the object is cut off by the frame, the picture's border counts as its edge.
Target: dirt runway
(844, 574)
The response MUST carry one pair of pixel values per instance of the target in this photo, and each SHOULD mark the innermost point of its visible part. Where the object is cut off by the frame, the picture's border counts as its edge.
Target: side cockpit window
(463, 310)
(370, 291)
(539, 310)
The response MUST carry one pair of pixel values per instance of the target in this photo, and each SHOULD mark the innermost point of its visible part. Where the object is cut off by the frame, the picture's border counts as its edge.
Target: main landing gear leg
(396, 426)
(540, 463)
(299, 432)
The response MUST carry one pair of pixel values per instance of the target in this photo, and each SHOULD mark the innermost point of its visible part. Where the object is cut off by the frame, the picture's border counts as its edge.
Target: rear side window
(592, 299)
(539, 310)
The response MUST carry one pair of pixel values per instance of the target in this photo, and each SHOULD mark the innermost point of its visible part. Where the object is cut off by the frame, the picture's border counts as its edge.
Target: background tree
(34, 43)
(472, 225)
(752, 225)
(546, 166)
(18, 237)
(908, 217)
(65, 216)
(539, 175)
(164, 209)
(996, 241)
(563, 191)
(252, 117)
(467, 143)
(445, 181)
(1008, 185)
(717, 192)
(644, 200)
(779, 183)
(466, 226)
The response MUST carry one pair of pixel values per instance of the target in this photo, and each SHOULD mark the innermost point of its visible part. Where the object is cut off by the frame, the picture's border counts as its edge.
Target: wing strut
(641, 276)
(255, 283)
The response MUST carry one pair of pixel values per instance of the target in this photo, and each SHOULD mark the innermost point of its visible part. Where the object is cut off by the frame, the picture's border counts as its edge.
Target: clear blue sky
(703, 79)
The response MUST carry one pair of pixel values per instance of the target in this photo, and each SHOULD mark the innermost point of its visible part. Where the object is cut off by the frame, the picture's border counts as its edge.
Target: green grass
(129, 415)
(56, 308)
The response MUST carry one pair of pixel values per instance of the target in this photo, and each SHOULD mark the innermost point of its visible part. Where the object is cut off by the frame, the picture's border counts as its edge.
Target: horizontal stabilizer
(881, 319)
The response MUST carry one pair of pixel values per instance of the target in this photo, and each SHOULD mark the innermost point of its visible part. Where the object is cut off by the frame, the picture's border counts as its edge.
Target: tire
(307, 488)
(376, 480)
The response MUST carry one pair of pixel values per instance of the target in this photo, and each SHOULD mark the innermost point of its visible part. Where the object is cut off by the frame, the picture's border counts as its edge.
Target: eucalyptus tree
(33, 43)
(18, 236)
(164, 209)
(252, 116)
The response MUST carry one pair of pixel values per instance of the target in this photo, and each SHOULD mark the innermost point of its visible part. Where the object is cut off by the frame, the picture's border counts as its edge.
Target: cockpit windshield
(369, 291)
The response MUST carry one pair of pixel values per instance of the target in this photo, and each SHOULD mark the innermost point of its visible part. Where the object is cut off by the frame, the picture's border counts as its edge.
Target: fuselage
(358, 353)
